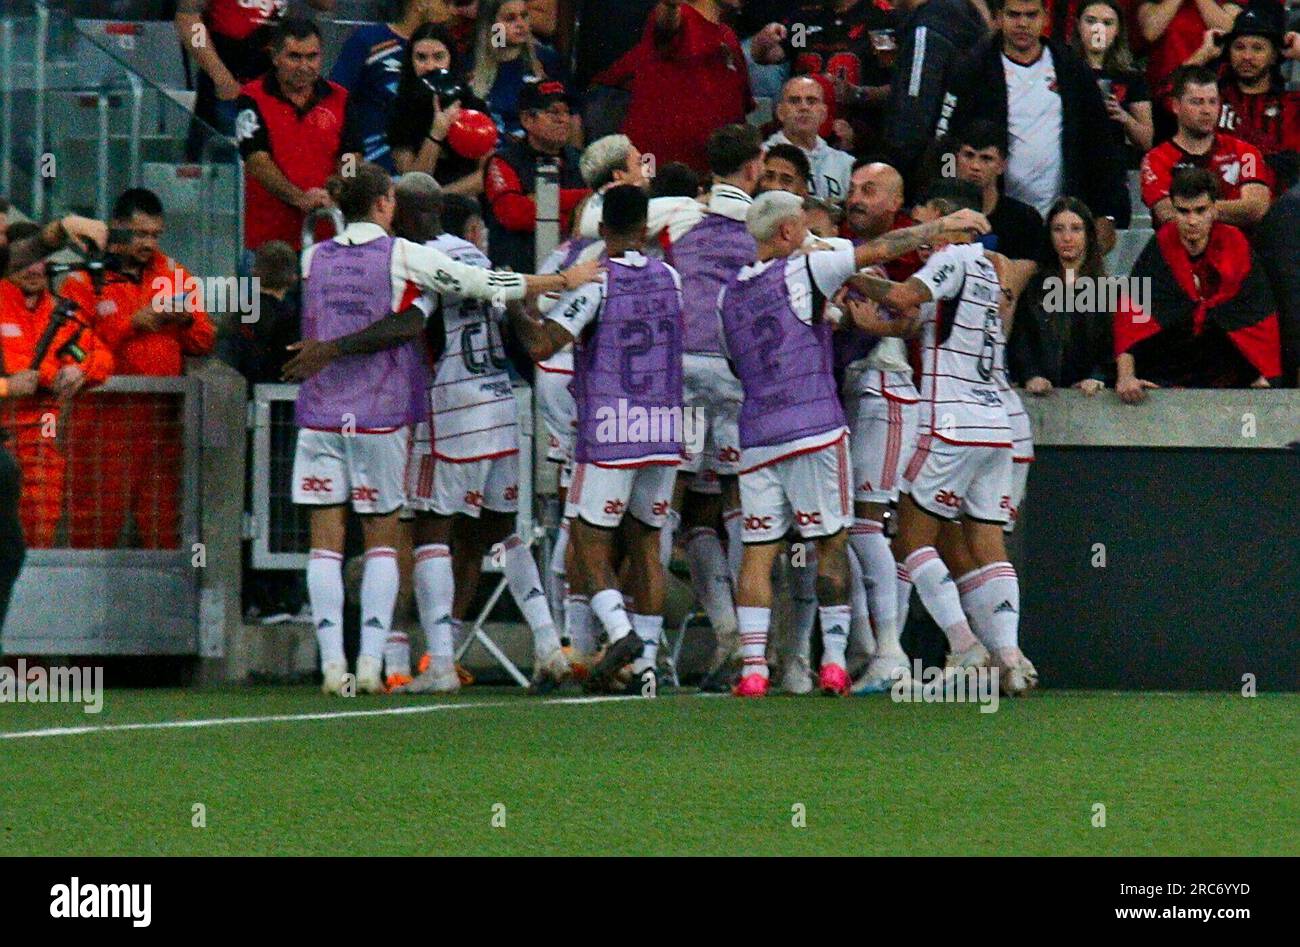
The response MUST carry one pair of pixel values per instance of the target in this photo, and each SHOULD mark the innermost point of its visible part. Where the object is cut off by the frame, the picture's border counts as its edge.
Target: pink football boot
(833, 680)
(751, 685)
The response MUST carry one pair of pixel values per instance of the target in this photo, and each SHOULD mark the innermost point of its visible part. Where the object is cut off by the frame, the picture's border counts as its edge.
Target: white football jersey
(472, 408)
(959, 380)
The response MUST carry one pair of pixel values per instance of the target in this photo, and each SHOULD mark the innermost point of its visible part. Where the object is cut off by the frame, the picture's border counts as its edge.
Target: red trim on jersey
(796, 453)
(470, 460)
(949, 440)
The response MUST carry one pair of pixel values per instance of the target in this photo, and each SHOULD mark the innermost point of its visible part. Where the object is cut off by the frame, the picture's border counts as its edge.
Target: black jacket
(1063, 347)
(1278, 251)
(1093, 168)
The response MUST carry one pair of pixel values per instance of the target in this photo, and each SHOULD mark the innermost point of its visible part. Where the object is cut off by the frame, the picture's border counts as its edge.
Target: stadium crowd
(793, 278)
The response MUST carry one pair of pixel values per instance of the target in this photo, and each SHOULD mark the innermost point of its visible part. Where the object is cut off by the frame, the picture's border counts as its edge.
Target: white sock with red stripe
(555, 573)
(939, 596)
(435, 587)
(379, 582)
(734, 523)
(667, 536)
(711, 579)
(609, 608)
(754, 623)
(903, 590)
(649, 628)
(397, 654)
(803, 597)
(325, 592)
(880, 572)
(578, 627)
(526, 589)
(972, 593)
(994, 595)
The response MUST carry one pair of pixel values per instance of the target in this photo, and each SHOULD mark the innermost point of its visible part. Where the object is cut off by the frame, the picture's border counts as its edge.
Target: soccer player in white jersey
(963, 462)
(628, 388)
(339, 461)
(795, 467)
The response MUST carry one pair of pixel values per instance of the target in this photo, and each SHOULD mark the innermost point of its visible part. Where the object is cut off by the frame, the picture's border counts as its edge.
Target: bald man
(875, 200)
(801, 112)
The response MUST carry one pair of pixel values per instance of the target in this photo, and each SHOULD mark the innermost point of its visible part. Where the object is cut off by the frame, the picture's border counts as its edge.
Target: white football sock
(555, 573)
(734, 523)
(754, 622)
(939, 596)
(649, 628)
(835, 632)
(325, 592)
(1003, 604)
(578, 624)
(397, 654)
(973, 594)
(860, 625)
(379, 582)
(612, 613)
(867, 537)
(711, 579)
(803, 596)
(526, 588)
(435, 588)
(903, 589)
(667, 536)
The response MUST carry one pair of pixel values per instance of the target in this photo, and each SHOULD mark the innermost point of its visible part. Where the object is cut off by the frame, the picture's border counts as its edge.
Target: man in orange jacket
(128, 446)
(37, 398)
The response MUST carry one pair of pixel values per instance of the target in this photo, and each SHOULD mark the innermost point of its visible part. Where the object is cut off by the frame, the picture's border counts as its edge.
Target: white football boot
(550, 671)
(882, 673)
(1017, 676)
(439, 677)
(335, 673)
(796, 675)
(370, 675)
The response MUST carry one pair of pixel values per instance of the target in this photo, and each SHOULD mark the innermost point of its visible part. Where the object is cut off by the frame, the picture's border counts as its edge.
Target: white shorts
(559, 413)
(331, 468)
(712, 398)
(1019, 483)
(448, 487)
(601, 495)
(954, 480)
(882, 433)
(807, 491)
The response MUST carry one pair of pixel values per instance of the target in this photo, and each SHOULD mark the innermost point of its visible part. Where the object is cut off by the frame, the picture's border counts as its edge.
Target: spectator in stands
(1278, 251)
(801, 111)
(462, 26)
(151, 315)
(290, 134)
(822, 217)
(417, 129)
(691, 59)
(1243, 176)
(75, 358)
(850, 42)
(875, 202)
(785, 168)
(369, 67)
(979, 155)
(675, 180)
(933, 36)
(1055, 344)
(256, 344)
(1046, 99)
(1255, 104)
(505, 54)
(511, 178)
(227, 40)
(1174, 29)
(1210, 320)
(1101, 38)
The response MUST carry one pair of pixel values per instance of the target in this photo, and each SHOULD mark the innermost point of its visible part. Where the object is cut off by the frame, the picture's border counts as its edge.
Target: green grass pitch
(1192, 774)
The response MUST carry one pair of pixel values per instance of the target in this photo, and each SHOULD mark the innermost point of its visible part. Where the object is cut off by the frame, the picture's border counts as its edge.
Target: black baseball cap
(537, 95)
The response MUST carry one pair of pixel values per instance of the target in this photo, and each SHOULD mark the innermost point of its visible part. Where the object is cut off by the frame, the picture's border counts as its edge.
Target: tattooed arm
(396, 329)
(897, 243)
(901, 297)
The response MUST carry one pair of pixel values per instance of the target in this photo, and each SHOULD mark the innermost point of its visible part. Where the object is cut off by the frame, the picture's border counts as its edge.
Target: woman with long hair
(1101, 38)
(1053, 343)
(505, 53)
(417, 130)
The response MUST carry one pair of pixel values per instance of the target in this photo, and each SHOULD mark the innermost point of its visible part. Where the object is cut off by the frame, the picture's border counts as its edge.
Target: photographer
(16, 256)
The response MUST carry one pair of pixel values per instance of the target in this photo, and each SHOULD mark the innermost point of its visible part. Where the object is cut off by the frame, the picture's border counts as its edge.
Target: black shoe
(645, 684)
(622, 652)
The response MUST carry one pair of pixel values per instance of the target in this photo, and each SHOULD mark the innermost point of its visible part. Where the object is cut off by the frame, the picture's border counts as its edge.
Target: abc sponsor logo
(758, 522)
(365, 495)
(660, 508)
(614, 507)
(317, 485)
(807, 519)
(729, 455)
(948, 498)
(473, 498)
(512, 492)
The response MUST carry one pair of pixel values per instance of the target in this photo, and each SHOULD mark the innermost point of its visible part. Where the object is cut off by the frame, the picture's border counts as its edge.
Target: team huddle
(707, 368)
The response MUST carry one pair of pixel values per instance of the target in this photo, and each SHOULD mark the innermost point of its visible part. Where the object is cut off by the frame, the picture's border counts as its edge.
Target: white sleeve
(433, 270)
(943, 274)
(575, 310)
(832, 268)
